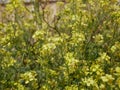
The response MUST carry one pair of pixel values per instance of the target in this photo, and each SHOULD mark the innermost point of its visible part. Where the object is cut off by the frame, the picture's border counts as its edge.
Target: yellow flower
(48, 48)
(113, 49)
(72, 87)
(89, 81)
(102, 86)
(28, 76)
(107, 78)
(77, 38)
(117, 69)
(98, 39)
(39, 34)
(71, 62)
(118, 82)
(103, 57)
(94, 68)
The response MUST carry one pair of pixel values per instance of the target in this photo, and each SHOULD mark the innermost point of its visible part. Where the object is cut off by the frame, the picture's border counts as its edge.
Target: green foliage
(79, 50)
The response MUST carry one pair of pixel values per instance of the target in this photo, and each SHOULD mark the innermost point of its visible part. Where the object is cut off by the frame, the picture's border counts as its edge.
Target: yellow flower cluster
(98, 39)
(28, 77)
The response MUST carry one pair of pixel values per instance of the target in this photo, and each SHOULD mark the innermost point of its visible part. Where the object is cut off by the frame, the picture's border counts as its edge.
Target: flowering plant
(79, 49)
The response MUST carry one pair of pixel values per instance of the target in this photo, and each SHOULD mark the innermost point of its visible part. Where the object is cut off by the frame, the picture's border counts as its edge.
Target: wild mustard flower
(29, 76)
(86, 70)
(89, 81)
(118, 82)
(48, 48)
(115, 47)
(103, 57)
(102, 86)
(117, 69)
(72, 87)
(8, 62)
(77, 38)
(71, 62)
(107, 78)
(98, 39)
(39, 34)
(56, 40)
(96, 68)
